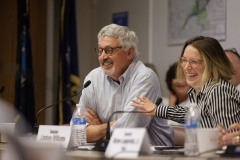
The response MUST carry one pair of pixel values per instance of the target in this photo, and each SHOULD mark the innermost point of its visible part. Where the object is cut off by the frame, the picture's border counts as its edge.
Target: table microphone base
(101, 145)
(232, 151)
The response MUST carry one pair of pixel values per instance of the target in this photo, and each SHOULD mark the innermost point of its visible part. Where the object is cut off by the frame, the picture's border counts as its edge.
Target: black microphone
(102, 145)
(36, 124)
(2, 89)
(159, 100)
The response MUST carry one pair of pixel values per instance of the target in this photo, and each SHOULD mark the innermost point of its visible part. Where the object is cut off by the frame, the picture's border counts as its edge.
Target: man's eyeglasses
(233, 50)
(109, 51)
(192, 62)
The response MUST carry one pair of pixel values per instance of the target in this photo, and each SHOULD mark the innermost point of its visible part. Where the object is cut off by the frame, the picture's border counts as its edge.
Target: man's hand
(112, 123)
(92, 117)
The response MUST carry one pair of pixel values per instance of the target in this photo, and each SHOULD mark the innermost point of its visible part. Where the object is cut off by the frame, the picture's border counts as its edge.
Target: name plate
(128, 143)
(54, 134)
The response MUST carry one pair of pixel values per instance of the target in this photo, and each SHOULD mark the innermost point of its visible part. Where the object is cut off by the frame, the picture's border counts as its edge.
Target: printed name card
(54, 134)
(128, 143)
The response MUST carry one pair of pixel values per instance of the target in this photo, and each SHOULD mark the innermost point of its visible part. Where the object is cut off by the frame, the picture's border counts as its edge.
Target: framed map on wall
(189, 18)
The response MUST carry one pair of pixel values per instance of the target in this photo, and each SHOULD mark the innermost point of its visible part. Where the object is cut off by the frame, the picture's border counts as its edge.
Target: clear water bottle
(192, 122)
(79, 126)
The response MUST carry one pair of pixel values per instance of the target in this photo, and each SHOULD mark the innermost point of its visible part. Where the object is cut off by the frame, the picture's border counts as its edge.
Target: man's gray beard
(108, 72)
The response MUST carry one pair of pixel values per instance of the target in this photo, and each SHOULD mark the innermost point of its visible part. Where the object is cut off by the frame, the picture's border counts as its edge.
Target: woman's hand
(229, 137)
(144, 105)
(222, 132)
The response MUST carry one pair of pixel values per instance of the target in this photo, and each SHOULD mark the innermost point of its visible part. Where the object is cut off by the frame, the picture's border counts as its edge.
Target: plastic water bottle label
(191, 124)
(78, 121)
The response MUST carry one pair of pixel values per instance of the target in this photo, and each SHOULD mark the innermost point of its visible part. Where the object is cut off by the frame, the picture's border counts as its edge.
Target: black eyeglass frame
(234, 51)
(106, 50)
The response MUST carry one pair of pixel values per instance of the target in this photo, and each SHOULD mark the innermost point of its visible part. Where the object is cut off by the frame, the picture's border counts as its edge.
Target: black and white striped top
(219, 102)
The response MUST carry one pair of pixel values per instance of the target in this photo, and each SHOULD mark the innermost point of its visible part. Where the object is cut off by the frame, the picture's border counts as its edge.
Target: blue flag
(24, 92)
(69, 80)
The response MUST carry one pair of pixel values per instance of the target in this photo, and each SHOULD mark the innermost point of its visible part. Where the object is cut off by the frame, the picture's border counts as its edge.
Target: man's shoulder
(145, 76)
(142, 70)
(96, 72)
(95, 75)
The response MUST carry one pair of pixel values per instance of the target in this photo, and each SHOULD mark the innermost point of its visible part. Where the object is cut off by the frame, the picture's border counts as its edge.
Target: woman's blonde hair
(216, 63)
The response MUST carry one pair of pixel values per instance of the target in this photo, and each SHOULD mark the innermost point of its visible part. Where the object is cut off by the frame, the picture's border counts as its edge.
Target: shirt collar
(204, 89)
(126, 75)
(192, 92)
(207, 86)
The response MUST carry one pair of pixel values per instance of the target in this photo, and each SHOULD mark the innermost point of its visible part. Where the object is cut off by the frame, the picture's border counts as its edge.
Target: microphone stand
(101, 145)
(36, 123)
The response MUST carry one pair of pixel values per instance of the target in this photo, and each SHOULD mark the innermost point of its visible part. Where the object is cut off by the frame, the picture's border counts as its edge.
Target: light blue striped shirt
(105, 96)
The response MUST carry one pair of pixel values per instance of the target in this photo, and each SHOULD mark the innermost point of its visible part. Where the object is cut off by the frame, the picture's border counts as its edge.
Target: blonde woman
(204, 65)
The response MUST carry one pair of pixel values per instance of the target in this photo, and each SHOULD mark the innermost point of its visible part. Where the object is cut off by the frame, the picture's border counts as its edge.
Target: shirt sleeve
(87, 93)
(175, 113)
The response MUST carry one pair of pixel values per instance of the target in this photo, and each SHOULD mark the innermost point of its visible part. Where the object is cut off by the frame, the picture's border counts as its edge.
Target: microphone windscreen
(159, 100)
(87, 84)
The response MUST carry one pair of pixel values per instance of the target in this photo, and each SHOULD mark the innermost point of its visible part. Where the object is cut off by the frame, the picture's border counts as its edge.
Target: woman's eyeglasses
(192, 62)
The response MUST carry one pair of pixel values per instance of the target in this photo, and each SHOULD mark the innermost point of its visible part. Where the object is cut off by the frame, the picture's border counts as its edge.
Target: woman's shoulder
(224, 86)
(212, 84)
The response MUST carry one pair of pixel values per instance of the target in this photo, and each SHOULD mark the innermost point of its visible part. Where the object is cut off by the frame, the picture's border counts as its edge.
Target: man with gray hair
(115, 83)
(234, 57)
